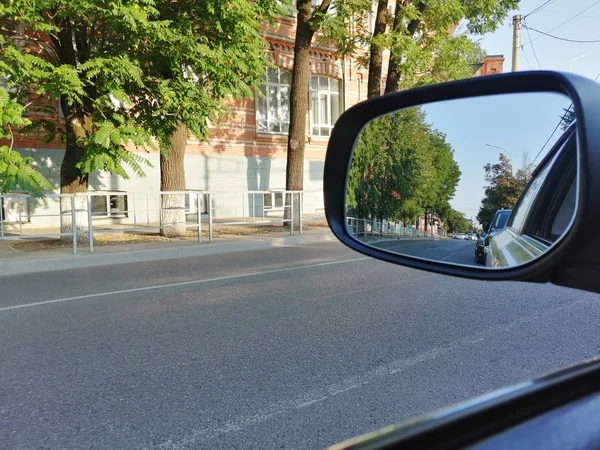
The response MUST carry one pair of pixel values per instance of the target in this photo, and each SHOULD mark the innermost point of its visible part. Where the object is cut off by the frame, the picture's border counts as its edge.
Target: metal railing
(23, 207)
(380, 229)
(23, 216)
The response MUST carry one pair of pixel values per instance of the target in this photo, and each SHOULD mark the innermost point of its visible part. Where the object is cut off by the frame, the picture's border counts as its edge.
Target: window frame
(110, 213)
(541, 214)
(258, 100)
(329, 92)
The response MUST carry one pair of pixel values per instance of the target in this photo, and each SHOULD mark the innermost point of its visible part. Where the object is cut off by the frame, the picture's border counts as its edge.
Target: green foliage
(430, 52)
(503, 190)
(128, 71)
(401, 168)
(214, 50)
(16, 172)
(455, 221)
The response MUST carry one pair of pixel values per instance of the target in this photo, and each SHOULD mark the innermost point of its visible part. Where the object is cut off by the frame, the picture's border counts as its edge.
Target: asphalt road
(293, 347)
(456, 251)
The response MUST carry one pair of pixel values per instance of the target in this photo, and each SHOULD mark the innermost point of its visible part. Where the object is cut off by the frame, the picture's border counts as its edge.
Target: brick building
(248, 150)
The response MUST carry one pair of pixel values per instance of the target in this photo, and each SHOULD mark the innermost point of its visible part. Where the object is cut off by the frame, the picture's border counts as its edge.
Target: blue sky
(519, 123)
(552, 54)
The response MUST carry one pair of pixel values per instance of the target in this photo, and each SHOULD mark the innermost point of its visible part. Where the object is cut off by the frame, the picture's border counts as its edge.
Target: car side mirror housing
(386, 154)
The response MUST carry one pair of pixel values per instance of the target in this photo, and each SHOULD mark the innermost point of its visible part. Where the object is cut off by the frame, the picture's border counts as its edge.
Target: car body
(483, 240)
(520, 242)
(496, 226)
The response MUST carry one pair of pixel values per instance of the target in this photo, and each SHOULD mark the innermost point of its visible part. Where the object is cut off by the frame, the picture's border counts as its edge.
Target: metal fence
(65, 215)
(380, 229)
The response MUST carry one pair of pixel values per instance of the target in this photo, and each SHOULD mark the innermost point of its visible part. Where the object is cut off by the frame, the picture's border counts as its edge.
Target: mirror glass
(485, 181)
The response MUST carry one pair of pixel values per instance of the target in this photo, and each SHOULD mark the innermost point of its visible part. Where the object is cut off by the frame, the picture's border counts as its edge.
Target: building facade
(246, 152)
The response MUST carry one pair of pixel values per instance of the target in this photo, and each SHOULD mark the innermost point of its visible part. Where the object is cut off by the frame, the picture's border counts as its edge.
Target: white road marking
(198, 436)
(311, 402)
(182, 283)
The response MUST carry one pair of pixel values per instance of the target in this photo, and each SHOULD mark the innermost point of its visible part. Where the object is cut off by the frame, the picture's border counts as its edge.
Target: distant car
(498, 223)
(457, 236)
(471, 237)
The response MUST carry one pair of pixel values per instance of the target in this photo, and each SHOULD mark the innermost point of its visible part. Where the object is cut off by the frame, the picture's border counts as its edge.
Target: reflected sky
(520, 123)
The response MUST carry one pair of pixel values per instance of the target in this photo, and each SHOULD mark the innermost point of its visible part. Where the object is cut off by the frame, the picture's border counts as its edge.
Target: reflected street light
(575, 59)
(505, 151)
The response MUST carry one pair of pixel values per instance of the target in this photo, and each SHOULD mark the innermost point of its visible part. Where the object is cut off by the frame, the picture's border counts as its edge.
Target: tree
(16, 172)
(216, 51)
(423, 46)
(309, 20)
(503, 190)
(131, 73)
(79, 55)
(441, 178)
(455, 221)
(401, 168)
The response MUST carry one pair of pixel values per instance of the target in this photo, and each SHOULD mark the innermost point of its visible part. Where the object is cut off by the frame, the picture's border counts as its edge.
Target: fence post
(90, 225)
(243, 207)
(1, 217)
(291, 214)
(73, 224)
(301, 212)
(210, 222)
(20, 223)
(133, 207)
(198, 217)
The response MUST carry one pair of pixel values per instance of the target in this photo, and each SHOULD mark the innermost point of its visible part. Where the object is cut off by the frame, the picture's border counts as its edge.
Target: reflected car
(525, 237)
(482, 244)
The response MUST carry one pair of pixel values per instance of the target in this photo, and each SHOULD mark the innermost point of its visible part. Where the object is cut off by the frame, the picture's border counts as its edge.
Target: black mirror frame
(556, 265)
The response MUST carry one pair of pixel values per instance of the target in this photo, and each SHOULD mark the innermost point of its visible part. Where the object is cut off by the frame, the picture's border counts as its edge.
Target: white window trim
(257, 104)
(330, 123)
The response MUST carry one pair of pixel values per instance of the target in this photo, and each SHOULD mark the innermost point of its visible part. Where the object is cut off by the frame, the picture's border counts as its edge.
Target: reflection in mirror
(485, 181)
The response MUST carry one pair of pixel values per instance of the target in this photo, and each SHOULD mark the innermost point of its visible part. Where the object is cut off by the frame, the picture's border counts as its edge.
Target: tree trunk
(78, 125)
(298, 109)
(172, 178)
(376, 57)
(426, 221)
(394, 72)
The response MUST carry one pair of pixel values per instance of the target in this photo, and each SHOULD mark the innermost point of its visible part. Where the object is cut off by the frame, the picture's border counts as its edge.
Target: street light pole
(505, 151)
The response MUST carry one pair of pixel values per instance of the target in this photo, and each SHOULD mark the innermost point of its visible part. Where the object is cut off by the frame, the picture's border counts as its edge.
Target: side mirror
(416, 157)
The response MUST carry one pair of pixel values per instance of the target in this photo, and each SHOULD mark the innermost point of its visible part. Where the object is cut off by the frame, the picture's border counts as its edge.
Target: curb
(131, 256)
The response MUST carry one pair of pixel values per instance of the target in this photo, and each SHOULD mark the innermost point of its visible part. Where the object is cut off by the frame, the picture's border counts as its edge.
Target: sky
(570, 19)
(518, 123)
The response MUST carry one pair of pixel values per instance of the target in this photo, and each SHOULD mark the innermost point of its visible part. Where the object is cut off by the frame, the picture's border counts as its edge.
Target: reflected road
(456, 251)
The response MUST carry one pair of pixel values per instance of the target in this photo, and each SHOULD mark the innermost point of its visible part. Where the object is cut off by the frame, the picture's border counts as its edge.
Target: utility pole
(516, 42)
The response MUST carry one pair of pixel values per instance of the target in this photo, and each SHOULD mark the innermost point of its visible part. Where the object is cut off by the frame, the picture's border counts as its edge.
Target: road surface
(290, 347)
(456, 251)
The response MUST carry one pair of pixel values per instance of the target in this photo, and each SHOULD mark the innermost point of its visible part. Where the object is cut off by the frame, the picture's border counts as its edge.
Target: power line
(542, 6)
(558, 37)
(566, 21)
(526, 58)
(532, 47)
(548, 140)
(570, 14)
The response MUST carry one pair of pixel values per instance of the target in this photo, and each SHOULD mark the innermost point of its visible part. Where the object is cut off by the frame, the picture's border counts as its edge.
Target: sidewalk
(12, 262)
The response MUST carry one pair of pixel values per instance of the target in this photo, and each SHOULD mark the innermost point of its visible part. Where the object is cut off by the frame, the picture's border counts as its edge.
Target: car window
(565, 214)
(526, 201)
(501, 219)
